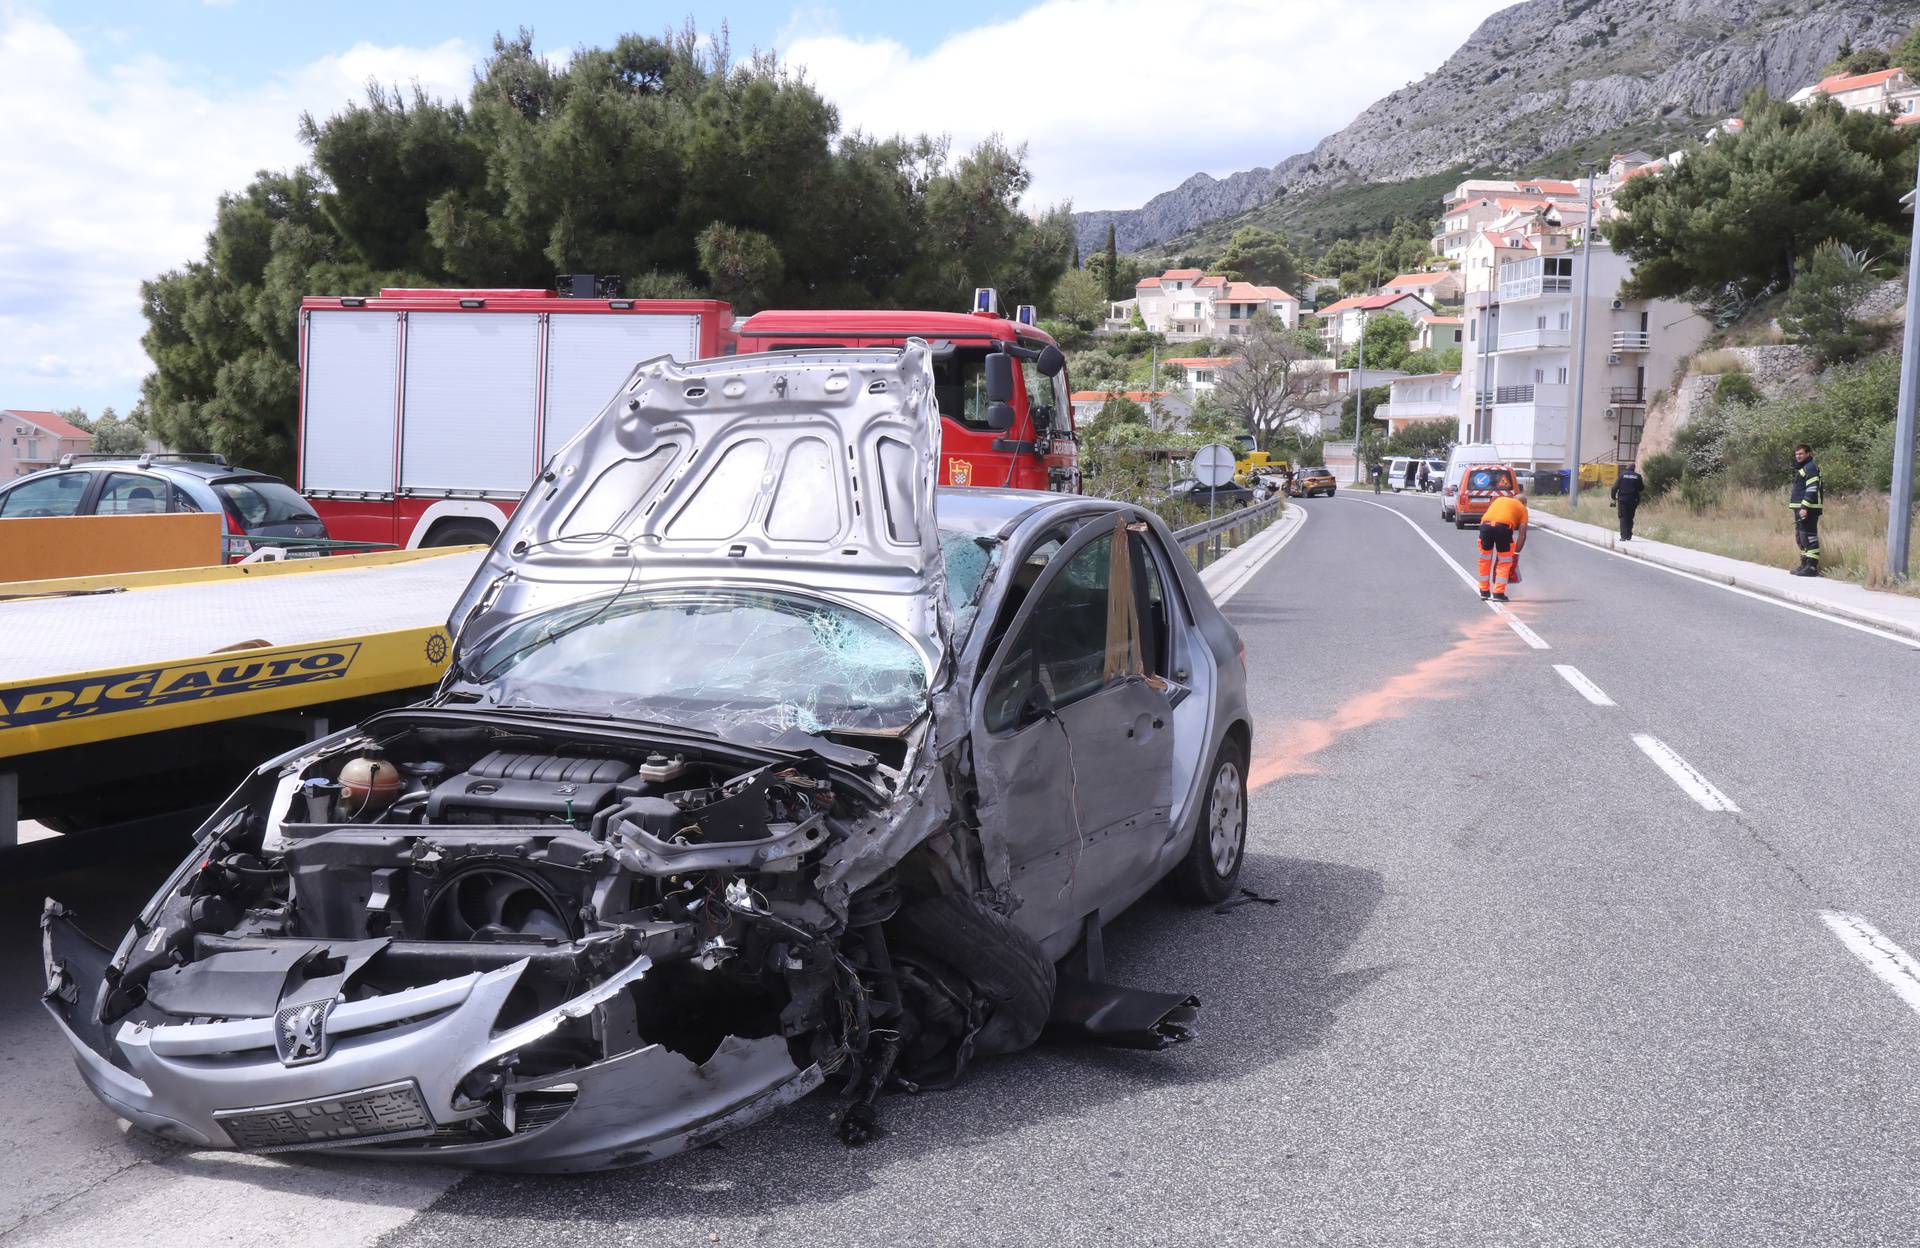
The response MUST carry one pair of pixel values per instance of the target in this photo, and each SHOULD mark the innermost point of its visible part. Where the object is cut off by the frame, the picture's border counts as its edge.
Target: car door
(1072, 740)
(56, 494)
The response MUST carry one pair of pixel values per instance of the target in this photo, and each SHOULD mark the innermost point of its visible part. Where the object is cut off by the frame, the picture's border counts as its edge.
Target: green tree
(659, 158)
(1386, 336)
(1262, 257)
(1819, 308)
(1113, 266)
(742, 266)
(1427, 360)
(1744, 212)
(1906, 53)
(1079, 298)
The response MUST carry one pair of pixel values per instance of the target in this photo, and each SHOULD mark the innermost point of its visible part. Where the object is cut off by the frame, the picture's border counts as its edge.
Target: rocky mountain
(1537, 79)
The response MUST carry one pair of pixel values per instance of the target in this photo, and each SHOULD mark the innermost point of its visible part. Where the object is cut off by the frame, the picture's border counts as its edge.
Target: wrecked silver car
(759, 768)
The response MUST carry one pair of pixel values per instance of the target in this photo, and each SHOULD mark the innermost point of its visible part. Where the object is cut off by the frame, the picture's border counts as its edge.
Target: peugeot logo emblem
(300, 1032)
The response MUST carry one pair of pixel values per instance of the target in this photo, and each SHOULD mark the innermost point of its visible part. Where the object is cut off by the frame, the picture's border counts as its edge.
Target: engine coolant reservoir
(368, 786)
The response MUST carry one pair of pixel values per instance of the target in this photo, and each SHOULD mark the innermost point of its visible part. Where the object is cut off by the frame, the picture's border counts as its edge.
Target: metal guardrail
(1206, 541)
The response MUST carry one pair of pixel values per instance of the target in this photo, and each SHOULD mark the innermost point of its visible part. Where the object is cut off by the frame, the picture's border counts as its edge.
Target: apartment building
(1518, 357)
(1476, 203)
(1882, 91)
(36, 440)
(1186, 304)
(1424, 396)
(1340, 322)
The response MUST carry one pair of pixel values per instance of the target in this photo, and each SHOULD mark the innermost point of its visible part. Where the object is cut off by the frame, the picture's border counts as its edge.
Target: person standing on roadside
(1426, 475)
(1503, 535)
(1804, 497)
(1626, 496)
(1378, 473)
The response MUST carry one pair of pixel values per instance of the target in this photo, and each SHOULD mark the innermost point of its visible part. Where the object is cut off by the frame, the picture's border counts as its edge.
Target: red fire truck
(425, 413)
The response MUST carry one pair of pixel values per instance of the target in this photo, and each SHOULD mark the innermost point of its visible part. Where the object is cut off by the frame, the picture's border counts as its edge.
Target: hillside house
(1340, 322)
(1436, 287)
(1200, 374)
(1426, 396)
(1437, 333)
(1186, 304)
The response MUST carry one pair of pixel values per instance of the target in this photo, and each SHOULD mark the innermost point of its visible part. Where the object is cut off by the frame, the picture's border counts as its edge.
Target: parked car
(1403, 473)
(1310, 481)
(1222, 497)
(1457, 460)
(249, 504)
(1479, 486)
(733, 789)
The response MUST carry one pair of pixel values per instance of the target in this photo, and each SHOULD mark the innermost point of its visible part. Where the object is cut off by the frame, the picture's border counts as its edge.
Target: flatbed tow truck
(126, 696)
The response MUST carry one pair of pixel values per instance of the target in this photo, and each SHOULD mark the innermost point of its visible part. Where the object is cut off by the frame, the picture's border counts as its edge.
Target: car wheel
(1005, 965)
(1206, 876)
(461, 533)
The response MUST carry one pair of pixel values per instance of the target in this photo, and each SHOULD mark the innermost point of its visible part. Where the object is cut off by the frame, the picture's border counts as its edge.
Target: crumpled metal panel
(808, 471)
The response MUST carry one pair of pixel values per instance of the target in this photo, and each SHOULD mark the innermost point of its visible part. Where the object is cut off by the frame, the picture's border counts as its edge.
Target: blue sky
(123, 123)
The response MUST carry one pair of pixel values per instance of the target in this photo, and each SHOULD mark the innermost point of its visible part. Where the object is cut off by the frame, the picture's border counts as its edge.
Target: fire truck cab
(1035, 452)
(425, 414)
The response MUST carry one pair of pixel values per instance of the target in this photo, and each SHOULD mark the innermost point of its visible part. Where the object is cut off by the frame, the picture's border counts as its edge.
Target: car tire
(1003, 963)
(1207, 874)
(460, 533)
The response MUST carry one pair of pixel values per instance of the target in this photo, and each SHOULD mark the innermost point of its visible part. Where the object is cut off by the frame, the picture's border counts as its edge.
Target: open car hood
(800, 471)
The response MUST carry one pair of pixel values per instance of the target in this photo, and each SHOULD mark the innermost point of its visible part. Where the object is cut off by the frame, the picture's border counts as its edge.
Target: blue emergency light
(986, 299)
(1024, 314)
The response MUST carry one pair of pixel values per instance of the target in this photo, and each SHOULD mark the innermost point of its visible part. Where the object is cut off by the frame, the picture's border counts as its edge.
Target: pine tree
(1113, 265)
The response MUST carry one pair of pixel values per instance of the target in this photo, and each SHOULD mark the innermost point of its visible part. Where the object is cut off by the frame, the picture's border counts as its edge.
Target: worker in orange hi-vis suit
(1503, 534)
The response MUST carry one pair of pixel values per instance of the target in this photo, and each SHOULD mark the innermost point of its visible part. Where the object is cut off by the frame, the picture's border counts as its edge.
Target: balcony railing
(1550, 393)
(1528, 339)
(1533, 287)
(1629, 396)
(1630, 340)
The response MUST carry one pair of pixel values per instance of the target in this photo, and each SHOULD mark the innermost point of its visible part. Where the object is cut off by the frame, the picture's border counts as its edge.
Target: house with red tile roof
(32, 440)
(1437, 333)
(1187, 304)
(1166, 409)
(1340, 322)
(1435, 286)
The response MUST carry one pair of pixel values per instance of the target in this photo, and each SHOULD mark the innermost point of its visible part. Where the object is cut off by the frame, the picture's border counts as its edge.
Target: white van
(1457, 460)
(1403, 473)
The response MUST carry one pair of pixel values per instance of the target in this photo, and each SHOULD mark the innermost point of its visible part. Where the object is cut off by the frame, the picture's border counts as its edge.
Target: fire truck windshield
(960, 387)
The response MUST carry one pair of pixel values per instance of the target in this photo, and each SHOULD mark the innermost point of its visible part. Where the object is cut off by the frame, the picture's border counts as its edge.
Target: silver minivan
(1457, 460)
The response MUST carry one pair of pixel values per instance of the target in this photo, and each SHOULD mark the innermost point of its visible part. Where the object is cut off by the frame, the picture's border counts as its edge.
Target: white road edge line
(1526, 634)
(1467, 577)
(1681, 772)
(1246, 574)
(1888, 961)
(1586, 688)
(1855, 625)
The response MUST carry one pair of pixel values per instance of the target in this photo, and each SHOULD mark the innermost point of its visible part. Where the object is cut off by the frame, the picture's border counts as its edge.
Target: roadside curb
(1605, 539)
(1227, 577)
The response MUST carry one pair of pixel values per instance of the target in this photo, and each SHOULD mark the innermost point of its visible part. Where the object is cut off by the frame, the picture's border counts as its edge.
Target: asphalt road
(1523, 984)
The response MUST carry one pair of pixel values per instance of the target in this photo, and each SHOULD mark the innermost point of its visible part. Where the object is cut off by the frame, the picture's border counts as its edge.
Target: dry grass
(1755, 525)
(1721, 361)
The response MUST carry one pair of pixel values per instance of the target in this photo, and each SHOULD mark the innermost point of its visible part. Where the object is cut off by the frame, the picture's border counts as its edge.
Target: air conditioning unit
(1613, 413)
(1619, 304)
(1613, 359)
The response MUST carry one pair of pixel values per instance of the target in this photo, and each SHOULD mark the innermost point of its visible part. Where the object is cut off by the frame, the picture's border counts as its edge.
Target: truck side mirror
(999, 379)
(999, 415)
(1051, 361)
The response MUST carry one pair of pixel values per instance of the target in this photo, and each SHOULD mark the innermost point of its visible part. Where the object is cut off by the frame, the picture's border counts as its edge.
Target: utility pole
(1359, 393)
(1900, 502)
(1580, 340)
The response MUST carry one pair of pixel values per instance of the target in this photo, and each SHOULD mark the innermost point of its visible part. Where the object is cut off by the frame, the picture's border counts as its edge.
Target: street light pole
(1359, 394)
(1580, 350)
(1900, 501)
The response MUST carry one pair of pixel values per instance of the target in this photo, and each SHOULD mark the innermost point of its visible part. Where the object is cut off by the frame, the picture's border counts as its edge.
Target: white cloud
(1121, 99)
(110, 172)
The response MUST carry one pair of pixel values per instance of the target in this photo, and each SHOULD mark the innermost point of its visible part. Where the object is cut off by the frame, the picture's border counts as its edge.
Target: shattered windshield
(968, 558)
(715, 658)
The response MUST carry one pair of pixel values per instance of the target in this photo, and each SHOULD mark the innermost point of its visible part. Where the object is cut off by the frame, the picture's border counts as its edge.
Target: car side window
(131, 494)
(1156, 614)
(57, 495)
(1060, 651)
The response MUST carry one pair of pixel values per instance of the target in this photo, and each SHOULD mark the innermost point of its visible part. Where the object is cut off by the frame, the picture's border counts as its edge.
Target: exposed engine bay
(426, 849)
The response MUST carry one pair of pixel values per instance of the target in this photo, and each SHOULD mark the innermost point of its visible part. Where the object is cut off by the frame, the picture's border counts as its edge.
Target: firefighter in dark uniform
(1804, 498)
(1626, 496)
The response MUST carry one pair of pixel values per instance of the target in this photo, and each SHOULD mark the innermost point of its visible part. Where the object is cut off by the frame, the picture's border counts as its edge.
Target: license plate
(387, 1112)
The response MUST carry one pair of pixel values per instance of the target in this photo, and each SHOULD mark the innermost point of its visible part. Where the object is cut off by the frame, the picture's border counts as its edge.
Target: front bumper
(389, 1085)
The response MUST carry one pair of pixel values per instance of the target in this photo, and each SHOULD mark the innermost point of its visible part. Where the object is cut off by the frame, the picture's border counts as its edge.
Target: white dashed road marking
(1526, 634)
(1681, 772)
(1888, 961)
(1587, 689)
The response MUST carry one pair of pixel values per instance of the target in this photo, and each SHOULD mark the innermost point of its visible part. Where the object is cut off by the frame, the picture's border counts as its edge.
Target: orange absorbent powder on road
(1443, 676)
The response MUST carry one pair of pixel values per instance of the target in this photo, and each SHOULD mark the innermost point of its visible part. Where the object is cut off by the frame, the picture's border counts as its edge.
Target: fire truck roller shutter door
(589, 356)
(348, 409)
(472, 386)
